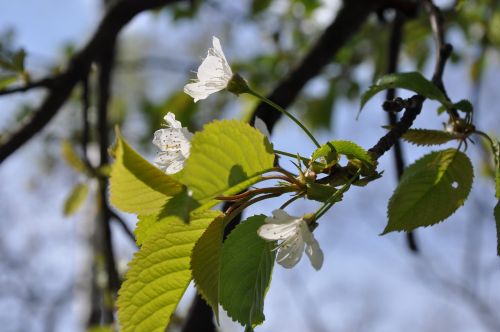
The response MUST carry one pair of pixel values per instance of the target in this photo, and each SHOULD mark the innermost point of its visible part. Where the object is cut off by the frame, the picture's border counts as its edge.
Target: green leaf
(205, 263)
(225, 158)
(412, 81)
(428, 136)
(69, 154)
(75, 199)
(463, 105)
(319, 192)
(159, 274)
(352, 151)
(431, 189)
(181, 205)
(7, 80)
(497, 221)
(146, 226)
(137, 186)
(247, 263)
(327, 154)
(18, 60)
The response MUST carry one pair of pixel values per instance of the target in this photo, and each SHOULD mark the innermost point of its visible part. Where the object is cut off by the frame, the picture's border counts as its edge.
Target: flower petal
(199, 90)
(315, 254)
(171, 121)
(280, 217)
(212, 69)
(290, 252)
(277, 231)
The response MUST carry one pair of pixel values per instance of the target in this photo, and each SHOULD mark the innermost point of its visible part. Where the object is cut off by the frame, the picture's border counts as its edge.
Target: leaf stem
(282, 110)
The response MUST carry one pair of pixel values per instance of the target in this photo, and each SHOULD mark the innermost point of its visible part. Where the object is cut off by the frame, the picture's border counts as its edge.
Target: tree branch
(106, 61)
(116, 17)
(348, 20)
(43, 83)
(395, 41)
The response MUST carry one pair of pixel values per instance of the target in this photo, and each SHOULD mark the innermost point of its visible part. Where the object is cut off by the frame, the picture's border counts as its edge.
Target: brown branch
(414, 104)
(347, 22)
(43, 83)
(395, 41)
(119, 220)
(116, 17)
(106, 62)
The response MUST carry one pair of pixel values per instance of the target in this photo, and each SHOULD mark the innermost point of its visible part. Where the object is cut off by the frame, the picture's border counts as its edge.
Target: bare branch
(43, 83)
(116, 17)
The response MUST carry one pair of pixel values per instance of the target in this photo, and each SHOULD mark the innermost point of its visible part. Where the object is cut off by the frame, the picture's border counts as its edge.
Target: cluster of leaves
(181, 238)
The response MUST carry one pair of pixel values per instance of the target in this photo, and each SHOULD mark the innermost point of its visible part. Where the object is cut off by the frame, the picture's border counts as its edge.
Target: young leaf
(75, 199)
(72, 158)
(205, 263)
(352, 151)
(326, 151)
(463, 105)
(225, 158)
(412, 81)
(159, 274)
(247, 263)
(137, 186)
(6, 80)
(428, 136)
(431, 189)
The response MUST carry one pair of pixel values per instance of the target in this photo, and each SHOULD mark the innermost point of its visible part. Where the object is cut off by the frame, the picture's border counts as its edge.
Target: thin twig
(43, 83)
(123, 224)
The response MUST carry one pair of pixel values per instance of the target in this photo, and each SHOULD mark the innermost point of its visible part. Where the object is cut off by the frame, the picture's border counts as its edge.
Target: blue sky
(367, 283)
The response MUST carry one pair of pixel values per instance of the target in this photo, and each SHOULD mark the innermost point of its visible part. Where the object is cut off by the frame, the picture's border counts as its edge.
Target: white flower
(294, 235)
(174, 145)
(213, 74)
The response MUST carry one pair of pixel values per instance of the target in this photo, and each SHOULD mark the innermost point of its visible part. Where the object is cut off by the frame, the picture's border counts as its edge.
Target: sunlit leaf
(431, 189)
(6, 80)
(72, 158)
(159, 274)
(226, 157)
(136, 185)
(247, 263)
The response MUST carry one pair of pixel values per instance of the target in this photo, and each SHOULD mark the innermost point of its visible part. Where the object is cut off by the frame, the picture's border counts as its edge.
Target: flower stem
(282, 110)
(329, 203)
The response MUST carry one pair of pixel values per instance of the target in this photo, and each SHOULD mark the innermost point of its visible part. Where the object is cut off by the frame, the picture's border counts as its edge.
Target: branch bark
(117, 16)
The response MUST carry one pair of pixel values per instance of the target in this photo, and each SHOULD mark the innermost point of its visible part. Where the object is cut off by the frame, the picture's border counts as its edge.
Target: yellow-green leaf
(205, 263)
(159, 274)
(69, 154)
(136, 185)
(431, 189)
(75, 199)
(225, 158)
